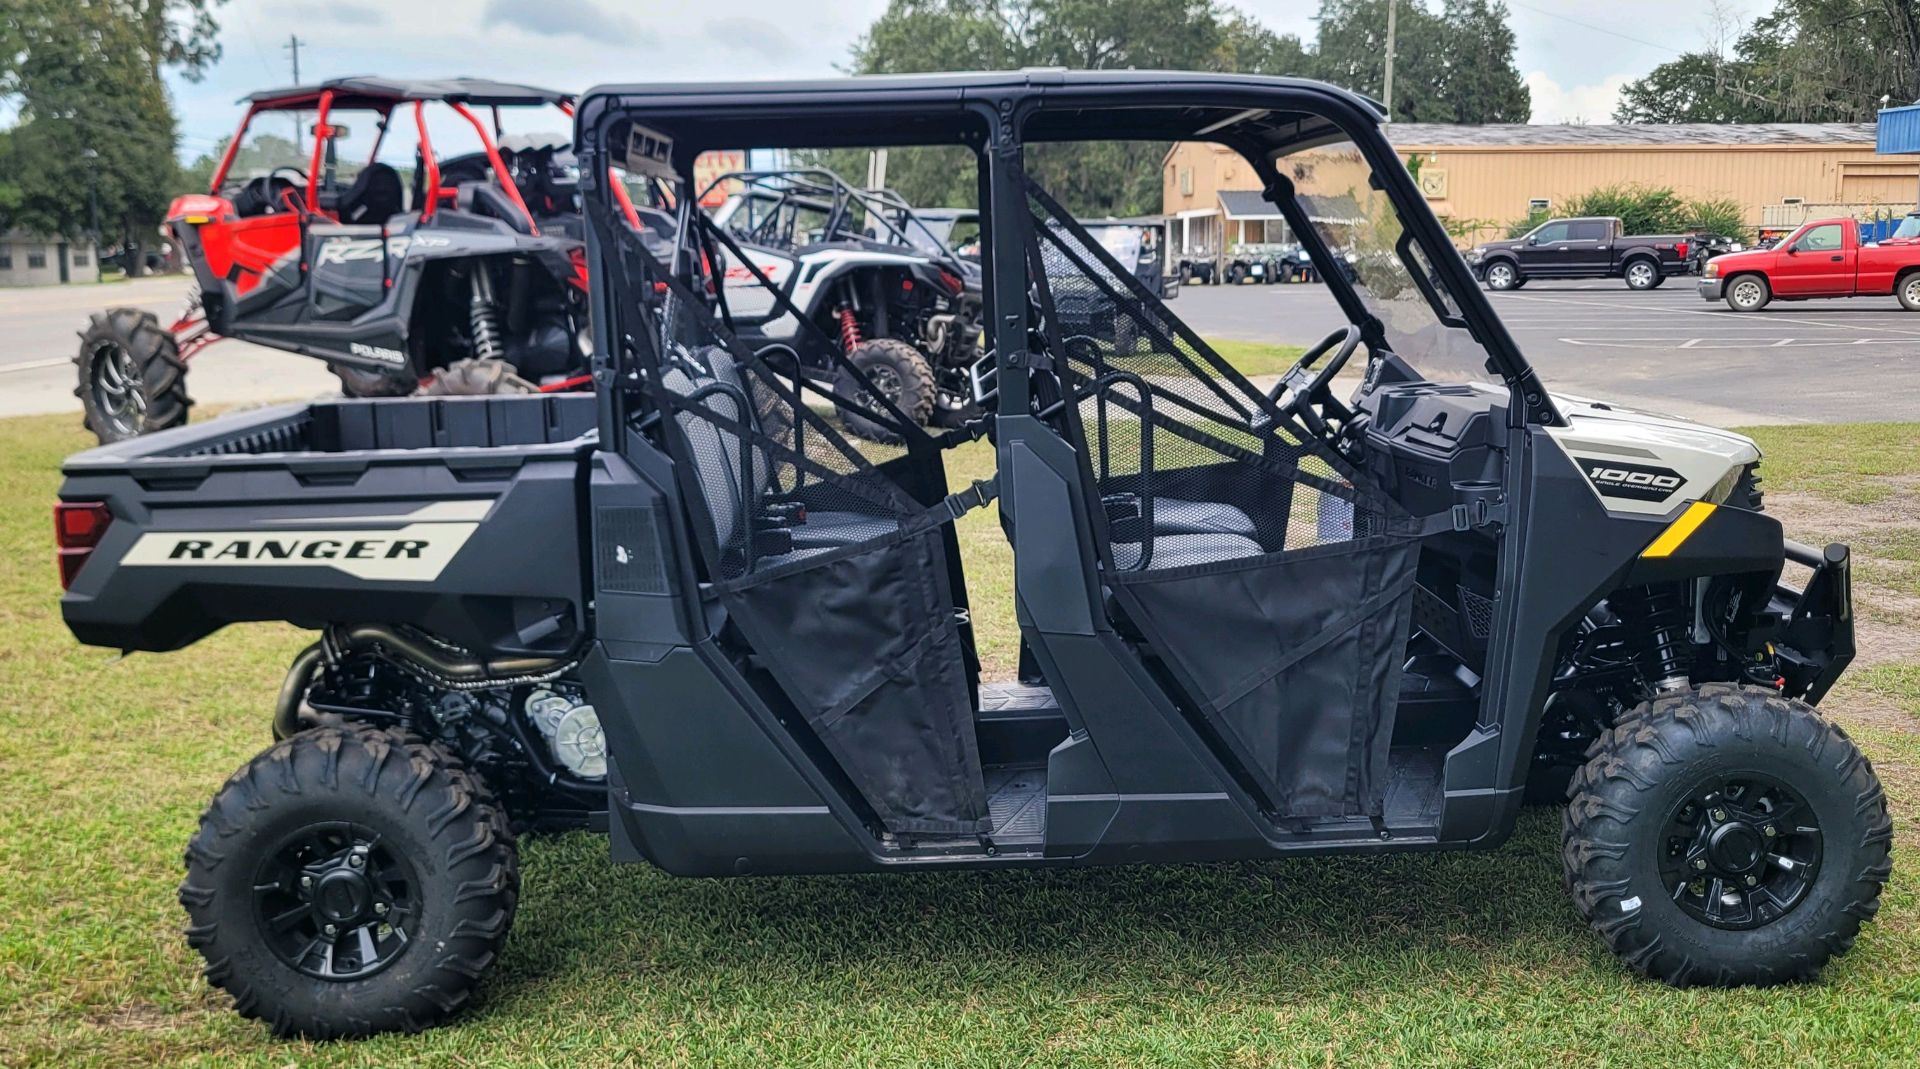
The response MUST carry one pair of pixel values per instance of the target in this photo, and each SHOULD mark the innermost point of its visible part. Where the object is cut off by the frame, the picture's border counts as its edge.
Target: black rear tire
(1768, 821)
(898, 370)
(132, 379)
(477, 378)
(1907, 289)
(417, 920)
(359, 382)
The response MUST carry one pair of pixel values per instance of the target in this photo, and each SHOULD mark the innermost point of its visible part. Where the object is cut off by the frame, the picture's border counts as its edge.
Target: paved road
(1816, 361)
(1813, 361)
(38, 339)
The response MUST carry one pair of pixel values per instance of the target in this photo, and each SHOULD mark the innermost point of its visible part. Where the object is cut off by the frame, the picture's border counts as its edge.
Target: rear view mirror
(335, 129)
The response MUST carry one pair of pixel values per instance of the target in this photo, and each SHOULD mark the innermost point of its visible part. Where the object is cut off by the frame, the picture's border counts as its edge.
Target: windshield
(1908, 228)
(1419, 316)
(1122, 241)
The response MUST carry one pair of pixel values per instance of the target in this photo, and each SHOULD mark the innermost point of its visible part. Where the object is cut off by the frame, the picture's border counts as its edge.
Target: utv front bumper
(1816, 634)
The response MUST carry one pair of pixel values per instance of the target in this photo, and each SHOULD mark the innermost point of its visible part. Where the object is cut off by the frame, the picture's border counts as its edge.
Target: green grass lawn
(1469, 959)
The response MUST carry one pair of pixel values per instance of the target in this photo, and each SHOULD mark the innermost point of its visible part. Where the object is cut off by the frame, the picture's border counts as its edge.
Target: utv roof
(1251, 111)
(364, 90)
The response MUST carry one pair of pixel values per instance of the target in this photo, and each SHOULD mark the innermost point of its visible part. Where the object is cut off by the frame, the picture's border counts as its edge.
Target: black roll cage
(1262, 118)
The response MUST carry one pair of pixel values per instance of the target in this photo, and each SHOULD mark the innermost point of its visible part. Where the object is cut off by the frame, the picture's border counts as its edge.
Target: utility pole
(1393, 9)
(293, 46)
(93, 208)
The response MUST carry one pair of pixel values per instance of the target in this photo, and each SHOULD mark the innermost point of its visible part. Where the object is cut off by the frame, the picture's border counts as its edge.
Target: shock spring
(483, 318)
(849, 329)
(1664, 620)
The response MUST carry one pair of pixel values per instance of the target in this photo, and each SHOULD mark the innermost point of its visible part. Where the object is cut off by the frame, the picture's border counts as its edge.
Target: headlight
(1712, 270)
(1476, 253)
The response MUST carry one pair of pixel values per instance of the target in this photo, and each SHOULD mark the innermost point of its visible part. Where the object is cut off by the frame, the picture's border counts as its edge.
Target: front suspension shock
(849, 329)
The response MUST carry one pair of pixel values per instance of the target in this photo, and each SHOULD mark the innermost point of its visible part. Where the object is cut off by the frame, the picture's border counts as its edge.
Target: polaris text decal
(416, 553)
(1638, 482)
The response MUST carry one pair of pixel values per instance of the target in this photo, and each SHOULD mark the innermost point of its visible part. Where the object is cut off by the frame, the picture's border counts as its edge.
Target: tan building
(1485, 177)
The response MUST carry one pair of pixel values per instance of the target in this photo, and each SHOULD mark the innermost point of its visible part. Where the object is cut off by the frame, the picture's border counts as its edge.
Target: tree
(1453, 66)
(85, 76)
(1806, 61)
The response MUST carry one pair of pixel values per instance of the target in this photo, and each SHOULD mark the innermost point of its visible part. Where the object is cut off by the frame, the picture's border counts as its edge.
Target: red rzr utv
(462, 274)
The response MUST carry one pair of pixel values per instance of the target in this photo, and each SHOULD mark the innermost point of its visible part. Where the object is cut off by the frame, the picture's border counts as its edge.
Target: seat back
(375, 196)
(732, 475)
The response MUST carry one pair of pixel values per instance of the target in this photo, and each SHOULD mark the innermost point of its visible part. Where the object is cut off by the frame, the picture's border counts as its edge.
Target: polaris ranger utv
(469, 278)
(1258, 623)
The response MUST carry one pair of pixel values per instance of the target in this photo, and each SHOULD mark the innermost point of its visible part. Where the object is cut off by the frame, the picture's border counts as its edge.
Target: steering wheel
(1307, 394)
(269, 191)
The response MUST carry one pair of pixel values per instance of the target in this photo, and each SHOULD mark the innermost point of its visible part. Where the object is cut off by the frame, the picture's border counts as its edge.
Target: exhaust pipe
(442, 664)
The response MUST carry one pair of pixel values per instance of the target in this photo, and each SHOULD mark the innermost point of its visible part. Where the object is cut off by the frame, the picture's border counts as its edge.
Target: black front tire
(1501, 275)
(441, 842)
(1649, 775)
(898, 370)
(132, 379)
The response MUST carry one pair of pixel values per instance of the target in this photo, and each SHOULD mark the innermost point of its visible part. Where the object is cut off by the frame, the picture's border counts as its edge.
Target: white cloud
(1555, 103)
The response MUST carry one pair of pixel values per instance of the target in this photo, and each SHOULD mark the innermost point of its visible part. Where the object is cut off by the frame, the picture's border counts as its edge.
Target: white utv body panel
(1646, 463)
(747, 299)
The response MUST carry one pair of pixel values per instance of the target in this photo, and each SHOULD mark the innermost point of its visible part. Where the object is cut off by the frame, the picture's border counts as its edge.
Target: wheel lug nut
(1700, 863)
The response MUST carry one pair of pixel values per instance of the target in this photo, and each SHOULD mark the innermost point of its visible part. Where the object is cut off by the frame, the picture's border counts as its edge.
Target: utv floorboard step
(1017, 804)
(1016, 700)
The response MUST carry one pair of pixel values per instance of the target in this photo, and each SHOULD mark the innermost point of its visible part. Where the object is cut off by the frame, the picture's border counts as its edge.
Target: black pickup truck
(1593, 247)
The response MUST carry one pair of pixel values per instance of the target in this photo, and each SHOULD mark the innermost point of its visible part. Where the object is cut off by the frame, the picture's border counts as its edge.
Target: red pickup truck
(1824, 258)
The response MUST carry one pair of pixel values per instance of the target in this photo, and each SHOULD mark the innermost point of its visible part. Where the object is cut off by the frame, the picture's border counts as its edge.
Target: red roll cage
(384, 98)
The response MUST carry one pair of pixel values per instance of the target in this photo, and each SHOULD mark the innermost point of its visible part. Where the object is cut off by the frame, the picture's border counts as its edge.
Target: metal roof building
(1484, 177)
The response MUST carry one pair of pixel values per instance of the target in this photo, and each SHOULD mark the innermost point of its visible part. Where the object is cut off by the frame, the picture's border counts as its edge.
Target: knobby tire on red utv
(475, 378)
(359, 382)
(896, 369)
(350, 880)
(132, 379)
(1726, 835)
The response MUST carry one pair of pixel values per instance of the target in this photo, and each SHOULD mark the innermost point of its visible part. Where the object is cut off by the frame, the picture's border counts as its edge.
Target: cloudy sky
(1575, 53)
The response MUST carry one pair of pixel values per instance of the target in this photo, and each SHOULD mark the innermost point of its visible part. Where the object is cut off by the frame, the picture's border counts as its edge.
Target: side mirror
(1793, 250)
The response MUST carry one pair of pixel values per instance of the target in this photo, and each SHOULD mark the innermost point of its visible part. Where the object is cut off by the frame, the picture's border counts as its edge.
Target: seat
(376, 196)
(1183, 549)
(1177, 516)
(735, 477)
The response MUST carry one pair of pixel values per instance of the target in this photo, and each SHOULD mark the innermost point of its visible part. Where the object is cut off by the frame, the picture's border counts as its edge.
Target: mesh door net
(1272, 579)
(834, 574)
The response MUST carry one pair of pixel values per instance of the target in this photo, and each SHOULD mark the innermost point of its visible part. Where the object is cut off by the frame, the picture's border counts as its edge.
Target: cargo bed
(460, 515)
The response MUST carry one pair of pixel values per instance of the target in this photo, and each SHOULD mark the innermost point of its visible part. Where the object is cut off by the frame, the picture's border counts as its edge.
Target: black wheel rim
(114, 381)
(335, 903)
(1740, 851)
(885, 380)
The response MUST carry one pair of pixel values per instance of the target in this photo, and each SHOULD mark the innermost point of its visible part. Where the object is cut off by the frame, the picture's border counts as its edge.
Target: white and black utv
(1258, 623)
(817, 269)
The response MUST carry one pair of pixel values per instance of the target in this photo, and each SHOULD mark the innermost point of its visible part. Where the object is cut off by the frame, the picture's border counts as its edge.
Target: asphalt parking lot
(1665, 349)
(39, 330)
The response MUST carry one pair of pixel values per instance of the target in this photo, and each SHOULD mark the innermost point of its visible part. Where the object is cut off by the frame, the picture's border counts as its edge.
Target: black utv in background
(1257, 622)
(1593, 247)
